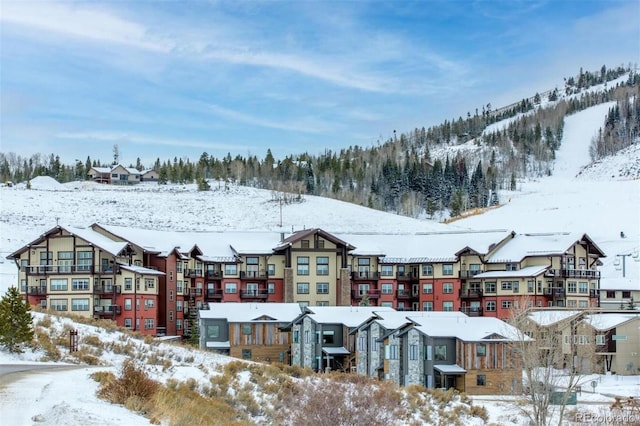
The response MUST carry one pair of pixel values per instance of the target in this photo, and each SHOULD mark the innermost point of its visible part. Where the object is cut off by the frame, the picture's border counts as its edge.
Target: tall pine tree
(16, 324)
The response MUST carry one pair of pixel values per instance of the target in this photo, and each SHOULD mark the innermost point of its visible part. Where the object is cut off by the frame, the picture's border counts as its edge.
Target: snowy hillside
(601, 199)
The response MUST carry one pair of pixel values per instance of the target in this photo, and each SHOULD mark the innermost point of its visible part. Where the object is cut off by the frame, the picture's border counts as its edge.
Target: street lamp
(617, 263)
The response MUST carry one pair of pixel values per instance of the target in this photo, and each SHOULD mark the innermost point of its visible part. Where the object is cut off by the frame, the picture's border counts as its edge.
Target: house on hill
(119, 175)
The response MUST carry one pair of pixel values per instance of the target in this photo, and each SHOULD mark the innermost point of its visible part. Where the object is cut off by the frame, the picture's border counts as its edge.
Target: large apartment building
(156, 281)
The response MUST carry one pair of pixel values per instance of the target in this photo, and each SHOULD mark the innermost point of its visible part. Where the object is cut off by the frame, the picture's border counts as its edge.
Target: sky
(176, 79)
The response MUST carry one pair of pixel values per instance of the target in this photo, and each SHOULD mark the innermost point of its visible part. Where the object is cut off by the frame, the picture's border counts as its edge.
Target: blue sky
(165, 79)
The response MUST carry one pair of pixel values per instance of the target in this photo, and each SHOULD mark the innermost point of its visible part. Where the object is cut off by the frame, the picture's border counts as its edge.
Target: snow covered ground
(602, 200)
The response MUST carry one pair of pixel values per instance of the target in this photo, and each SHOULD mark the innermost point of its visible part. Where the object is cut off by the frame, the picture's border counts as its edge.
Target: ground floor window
(481, 380)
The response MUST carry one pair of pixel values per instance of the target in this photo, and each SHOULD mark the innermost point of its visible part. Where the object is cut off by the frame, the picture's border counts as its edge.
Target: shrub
(133, 388)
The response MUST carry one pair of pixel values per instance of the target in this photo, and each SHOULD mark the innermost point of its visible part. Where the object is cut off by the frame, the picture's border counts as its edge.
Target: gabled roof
(102, 170)
(547, 244)
(471, 329)
(389, 320)
(115, 248)
(304, 234)
(141, 270)
(252, 312)
(607, 321)
(547, 317)
(350, 316)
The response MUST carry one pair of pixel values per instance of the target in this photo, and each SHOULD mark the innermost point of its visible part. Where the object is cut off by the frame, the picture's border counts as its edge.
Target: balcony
(37, 291)
(107, 289)
(468, 273)
(254, 294)
(593, 293)
(403, 294)
(213, 275)
(371, 294)
(406, 276)
(110, 310)
(193, 273)
(253, 275)
(214, 294)
(573, 273)
(471, 294)
(194, 292)
(554, 292)
(58, 270)
(472, 311)
(365, 275)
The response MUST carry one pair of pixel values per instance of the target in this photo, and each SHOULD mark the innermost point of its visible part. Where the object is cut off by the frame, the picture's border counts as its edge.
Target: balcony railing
(468, 273)
(213, 274)
(195, 292)
(107, 289)
(405, 276)
(403, 294)
(554, 292)
(593, 293)
(37, 290)
(214, 294)
(254, 294)
(371, 294)
(107, 310)
(58, 269)
(471, 294)
(365, 275)
(573, 273)
(471, 311)
(254, 275)
(193, 273)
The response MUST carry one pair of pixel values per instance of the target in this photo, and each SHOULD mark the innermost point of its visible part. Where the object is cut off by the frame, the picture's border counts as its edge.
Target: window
(427, 306)
(320, 243)
(572, 286)
(414, 353)
(246, 354)
(179, 305)
(322, 303)
(149, 283)
(516, 287)
(571, 303)
(440, 352)
(230, 269)
(307, 336)
(271, 288)
(303, 288)
(506, 304)
(149, 303)
(296, 336)
(322, 288)
(611, 294)
(59, 285)
(128, 283)
(271, 270)
(481, 380)
(149, 324)
(171, 276)
(447, 288)
(179, 286)
(304, 243)
(511, 267)
(386, 304)
(85, 261)
(246, 329)
(178, 324)
(231, 287)
(59, 304)
(213, 331)
(428, 353)
(447, 306)
(490, 306)
(65, 261)
(79, 284)
(328, 337)
(626, 294)
(127, 323)
(179, 267)
(490, 287)
(530, 286)
(303, 265)
(362, 343)
(447, 269)
(387, 288)
(127, 304)
(386, 270)
(252, 260)
(427, 269)
(391, 352)
(600, 339)
(506, 285)
(79, 304)
(583, 304)
(427, 288)
(23, 286)
(322, 265)
(481, 350)
(170, 294)
(583, 288)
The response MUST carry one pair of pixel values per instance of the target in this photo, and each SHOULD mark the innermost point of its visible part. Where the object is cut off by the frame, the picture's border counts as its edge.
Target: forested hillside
(415, 172)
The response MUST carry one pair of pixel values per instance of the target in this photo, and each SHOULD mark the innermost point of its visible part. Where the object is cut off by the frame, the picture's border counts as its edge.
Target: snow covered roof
(469, 329)
(620, 283)
(141, 270)
(102, 169)
(350, 316)
(547, 317)
(543, 244)
(421, 247)
(252, 312)
(607, 321)
(529, 271)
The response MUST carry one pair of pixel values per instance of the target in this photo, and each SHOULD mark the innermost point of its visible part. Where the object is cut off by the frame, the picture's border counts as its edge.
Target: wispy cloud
(122, 137)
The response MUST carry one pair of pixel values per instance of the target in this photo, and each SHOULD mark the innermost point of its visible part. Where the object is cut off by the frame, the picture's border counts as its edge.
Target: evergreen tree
(16, 324)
